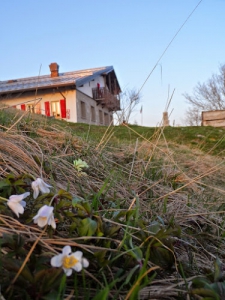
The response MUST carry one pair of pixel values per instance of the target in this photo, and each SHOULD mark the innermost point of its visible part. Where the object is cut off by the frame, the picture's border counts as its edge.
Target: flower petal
(68, 272)
(56, 261)
(66, 250)
(44, 187)
(35, 189)
(77, 267)
(15, 207)
(45, 216)
(35, 219)
(52, 223)
(23, 203)
(20, 209)
(12, 206)
(45, 211)
(18, 198)
(78, 255)
(85, 262)
(40, 186)
(42, 221)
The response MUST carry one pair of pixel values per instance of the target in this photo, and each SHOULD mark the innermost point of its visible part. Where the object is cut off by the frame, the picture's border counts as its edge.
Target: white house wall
(51, 97)
(89, 105)
(87, 87)
(80, 106)
(85, 96)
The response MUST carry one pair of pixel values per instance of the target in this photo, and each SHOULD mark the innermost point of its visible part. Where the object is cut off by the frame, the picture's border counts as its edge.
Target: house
(87, 96)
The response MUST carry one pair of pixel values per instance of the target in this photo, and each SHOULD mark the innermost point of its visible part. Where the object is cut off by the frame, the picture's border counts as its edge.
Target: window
(55, 107)
(58, 108)
(33, 108)
(106, 119)
(93, 117)
(30, 108)
(100, 117)
(83, 110)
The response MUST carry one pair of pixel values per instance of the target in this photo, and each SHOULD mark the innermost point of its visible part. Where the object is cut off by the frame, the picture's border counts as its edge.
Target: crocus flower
(16, 203)
(69, 261)
(40, 186)
(45, 216)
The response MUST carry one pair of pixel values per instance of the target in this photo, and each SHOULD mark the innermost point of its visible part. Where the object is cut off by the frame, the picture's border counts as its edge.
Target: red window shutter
(23, 107)
(63, 108)
(47, 108)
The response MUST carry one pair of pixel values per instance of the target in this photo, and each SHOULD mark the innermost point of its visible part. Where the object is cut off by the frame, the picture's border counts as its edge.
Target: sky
(130, 35)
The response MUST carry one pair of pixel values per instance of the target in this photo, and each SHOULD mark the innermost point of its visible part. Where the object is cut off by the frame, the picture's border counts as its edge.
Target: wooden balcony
(106, 99)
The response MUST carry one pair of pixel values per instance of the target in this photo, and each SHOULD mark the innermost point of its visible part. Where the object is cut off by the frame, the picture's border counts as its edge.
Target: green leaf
(100, 255)
(87, 207)
(217, 270)
(200, 282)
(154, 227)
(13, 265)
(87, 227)
(121, 214)
(51, 296)
(112, 230)
(219, 287)
(64, 194)
(76, 200)
(62, 287)
(161, 257)
(63, 203)
(206, 292)
(3, 184)
(130, 274)
(80, 164)
(48, 278)
(165, 205)
(130, 213)
(102, 295)
(19, 182)
(7, 239)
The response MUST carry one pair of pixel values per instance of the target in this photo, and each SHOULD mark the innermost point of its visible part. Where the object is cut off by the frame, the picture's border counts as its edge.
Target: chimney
(54, 68)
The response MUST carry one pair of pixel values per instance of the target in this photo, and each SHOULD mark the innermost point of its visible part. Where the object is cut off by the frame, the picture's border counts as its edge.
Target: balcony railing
(105, 98)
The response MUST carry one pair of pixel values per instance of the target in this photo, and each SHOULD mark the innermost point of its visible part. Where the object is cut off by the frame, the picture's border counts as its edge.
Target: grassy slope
(166, 187)
(207, 139)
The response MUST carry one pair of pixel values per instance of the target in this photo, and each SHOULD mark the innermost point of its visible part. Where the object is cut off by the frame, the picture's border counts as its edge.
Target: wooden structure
(215, 118)
(166, 119)
(105, 98)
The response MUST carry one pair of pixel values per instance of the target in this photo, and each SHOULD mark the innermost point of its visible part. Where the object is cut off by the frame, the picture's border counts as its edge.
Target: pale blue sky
(131, 35)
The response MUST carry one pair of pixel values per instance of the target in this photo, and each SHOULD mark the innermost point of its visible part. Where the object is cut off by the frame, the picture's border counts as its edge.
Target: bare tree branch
(207, 96)
(128, 102)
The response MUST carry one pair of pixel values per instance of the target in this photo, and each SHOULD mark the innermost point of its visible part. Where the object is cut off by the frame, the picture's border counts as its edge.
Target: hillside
(144, 205)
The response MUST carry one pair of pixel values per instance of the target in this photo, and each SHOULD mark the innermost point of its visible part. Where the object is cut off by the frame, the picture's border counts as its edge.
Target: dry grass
(171, 182)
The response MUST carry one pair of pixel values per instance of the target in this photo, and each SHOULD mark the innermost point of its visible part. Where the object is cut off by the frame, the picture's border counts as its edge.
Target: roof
(76, 78)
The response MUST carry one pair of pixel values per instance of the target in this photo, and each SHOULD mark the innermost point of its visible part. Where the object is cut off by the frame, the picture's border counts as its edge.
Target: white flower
(17, 204)
(70, 261)
(45, 216)
(40, 186)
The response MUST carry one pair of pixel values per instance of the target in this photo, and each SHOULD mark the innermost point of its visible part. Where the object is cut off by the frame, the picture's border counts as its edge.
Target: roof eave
(38, 88)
